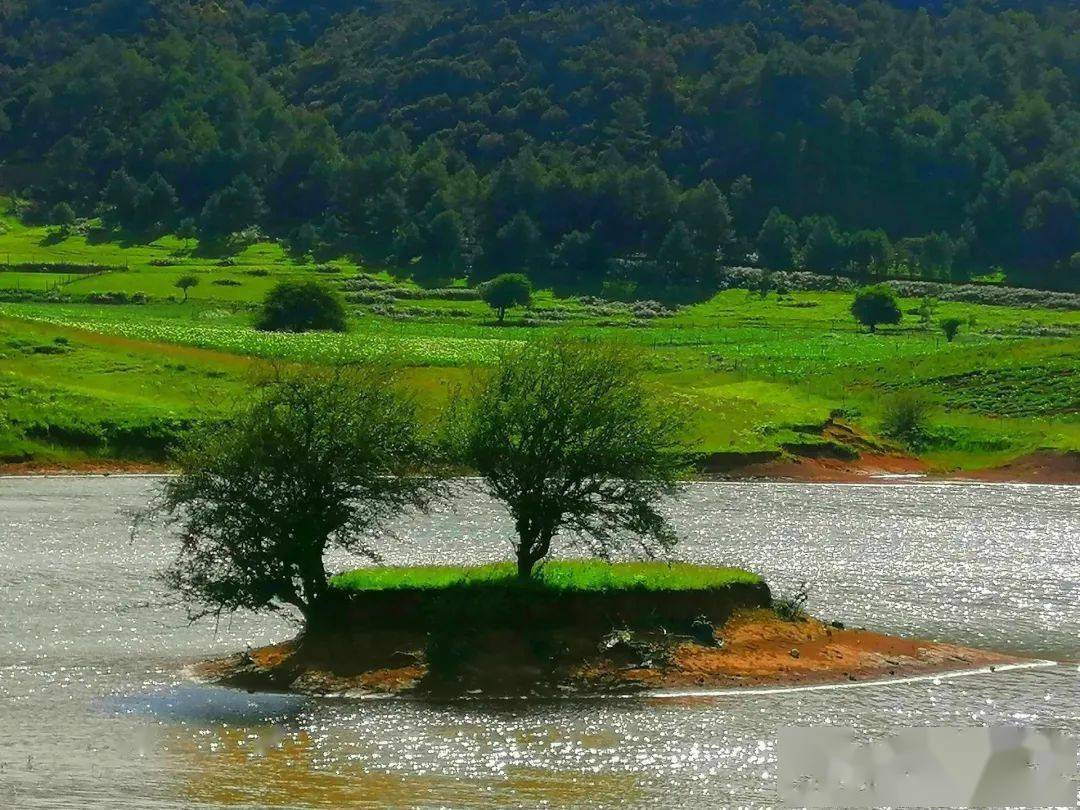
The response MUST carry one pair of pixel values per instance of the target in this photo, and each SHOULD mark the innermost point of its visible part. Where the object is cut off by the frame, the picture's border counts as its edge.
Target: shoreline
(1039, 467)
(758, 651)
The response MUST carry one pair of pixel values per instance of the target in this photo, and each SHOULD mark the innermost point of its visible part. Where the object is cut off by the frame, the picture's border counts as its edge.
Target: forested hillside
(641, 142)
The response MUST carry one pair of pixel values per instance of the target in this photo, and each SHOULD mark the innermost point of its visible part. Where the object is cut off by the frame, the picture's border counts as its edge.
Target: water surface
(95, 712)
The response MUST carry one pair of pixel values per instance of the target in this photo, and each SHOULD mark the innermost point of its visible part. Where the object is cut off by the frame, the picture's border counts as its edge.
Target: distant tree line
(642, 142)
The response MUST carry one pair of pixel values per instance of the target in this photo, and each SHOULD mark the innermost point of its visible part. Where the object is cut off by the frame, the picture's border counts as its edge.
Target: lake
(95, 710)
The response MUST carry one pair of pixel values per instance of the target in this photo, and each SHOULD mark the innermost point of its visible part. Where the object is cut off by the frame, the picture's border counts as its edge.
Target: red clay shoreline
(1040, 467)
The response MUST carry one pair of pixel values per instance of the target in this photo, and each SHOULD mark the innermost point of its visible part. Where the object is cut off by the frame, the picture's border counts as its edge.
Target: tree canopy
(302, 306)
(876, 305)
(640, 141)
(314, 461)
(568, 436)
(506, 291)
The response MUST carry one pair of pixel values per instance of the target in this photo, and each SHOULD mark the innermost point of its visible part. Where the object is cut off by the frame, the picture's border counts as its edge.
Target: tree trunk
(315, 590)
(502, 314)
(525, 563)
(530, 551)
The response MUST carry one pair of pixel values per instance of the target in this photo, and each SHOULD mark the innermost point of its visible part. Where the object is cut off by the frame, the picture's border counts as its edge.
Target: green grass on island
(456, 602)
(560, 576)
(84, 380)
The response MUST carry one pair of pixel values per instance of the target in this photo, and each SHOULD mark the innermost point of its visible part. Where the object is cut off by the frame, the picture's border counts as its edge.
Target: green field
(82, 380)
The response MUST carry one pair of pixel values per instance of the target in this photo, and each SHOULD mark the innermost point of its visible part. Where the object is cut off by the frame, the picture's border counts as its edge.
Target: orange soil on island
(756, 648)
(760, 649)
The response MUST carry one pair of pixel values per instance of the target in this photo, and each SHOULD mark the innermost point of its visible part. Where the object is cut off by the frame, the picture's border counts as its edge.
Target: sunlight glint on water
(95, 711)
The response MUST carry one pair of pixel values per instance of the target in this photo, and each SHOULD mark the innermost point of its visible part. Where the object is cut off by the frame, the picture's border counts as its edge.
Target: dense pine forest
(644, 143)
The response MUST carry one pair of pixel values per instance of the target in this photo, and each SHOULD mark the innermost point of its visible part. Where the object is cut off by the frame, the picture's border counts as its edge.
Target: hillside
(628, 146)
(101, 359)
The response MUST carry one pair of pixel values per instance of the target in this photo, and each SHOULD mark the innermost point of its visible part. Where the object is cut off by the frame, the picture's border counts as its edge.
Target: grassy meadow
(86, 380)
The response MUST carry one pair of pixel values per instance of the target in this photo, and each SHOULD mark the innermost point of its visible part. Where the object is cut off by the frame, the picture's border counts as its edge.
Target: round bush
(302, 306)
(876, 305)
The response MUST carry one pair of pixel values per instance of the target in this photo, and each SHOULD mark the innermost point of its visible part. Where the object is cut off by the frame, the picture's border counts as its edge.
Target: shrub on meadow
(302, 306)
(906, 416)
(876, 305)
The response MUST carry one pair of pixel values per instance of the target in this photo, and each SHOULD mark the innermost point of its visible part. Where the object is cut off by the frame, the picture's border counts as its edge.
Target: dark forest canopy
(646, 141)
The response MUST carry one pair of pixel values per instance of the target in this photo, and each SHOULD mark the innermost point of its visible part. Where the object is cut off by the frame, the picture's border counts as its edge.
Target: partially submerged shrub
(792, 607)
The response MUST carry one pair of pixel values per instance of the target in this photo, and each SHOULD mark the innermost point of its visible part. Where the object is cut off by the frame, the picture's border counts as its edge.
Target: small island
(584, 457)
(577, 627)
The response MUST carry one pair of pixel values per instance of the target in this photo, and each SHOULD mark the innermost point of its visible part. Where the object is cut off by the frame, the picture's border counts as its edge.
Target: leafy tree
(185, 283)
(316, 460)
(708, 217)
(578, 256)
(765, 283)
(330, 231)
(157, 203)
(63, 216)
(950, 327)
(825, 248)
(677, 255)
(445, 242)
(517, 244)
(932, 255)
(121, 199)
(304, 240)
(571, 439)
(926, 310)
(869, 251)
(187, 230)
(237, 206)
(876, 305)
(777, 240)
(302, 306)
(507, 291)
